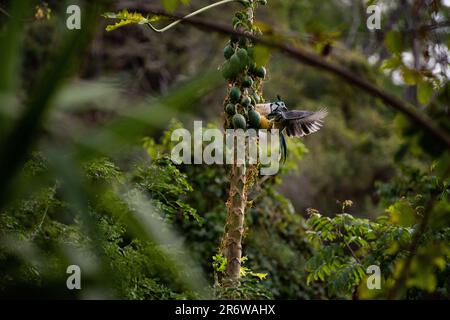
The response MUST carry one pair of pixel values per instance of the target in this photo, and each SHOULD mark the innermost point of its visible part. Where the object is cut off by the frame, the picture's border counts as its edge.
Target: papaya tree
(245, 73)
(245, 79)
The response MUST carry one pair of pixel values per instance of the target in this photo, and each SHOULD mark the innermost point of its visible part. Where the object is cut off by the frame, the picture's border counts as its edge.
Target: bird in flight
(295, 123)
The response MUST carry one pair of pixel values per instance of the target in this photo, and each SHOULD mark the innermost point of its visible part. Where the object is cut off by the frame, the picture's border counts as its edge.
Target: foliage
(167, 186)
(74, 200)
(126, 18)
(140, 269)
(270, 220)
(347, 246)
(171, 5)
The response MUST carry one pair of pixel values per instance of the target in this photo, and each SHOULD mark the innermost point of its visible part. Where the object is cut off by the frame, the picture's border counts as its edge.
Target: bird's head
(277, 108)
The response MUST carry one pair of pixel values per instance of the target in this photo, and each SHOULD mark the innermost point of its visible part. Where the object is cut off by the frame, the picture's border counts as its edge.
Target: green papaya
(235, 62)
(230, 109)
(235, 94)
(243, 56)
(246, 101)
(238, 121)
(229, 71)
(247, 82)
(254, 119)
(260, 72)
(255, 97)
(228, 52)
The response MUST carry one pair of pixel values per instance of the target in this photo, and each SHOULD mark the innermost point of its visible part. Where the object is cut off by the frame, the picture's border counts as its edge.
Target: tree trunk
(234, 228)
(241, 179)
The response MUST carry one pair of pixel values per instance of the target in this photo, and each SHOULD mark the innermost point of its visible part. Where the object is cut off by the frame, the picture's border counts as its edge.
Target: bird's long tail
(283, 148)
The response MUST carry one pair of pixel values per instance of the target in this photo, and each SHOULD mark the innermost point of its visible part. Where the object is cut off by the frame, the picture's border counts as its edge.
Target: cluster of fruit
(243, 74)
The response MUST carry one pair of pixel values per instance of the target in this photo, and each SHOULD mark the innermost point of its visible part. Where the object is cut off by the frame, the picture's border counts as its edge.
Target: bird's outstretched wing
(302, 123)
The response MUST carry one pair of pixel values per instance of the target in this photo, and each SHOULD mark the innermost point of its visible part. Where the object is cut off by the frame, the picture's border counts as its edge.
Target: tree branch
(4, 12)
(316, 61)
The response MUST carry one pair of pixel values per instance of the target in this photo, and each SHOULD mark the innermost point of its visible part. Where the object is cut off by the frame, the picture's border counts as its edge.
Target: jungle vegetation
(86, 178)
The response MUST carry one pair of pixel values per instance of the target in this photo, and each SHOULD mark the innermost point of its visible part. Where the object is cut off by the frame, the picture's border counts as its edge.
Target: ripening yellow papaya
(264, 123)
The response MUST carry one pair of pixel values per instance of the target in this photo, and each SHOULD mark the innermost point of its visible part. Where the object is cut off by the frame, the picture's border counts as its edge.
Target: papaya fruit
(260, 72)
(264, 123)
(238, 121)
(228, 72)
(256, 98)
(254, 119)
(247, 82)
(242, 54)
(235, 94)
(228, 51)
(230, 109)
(246, 101)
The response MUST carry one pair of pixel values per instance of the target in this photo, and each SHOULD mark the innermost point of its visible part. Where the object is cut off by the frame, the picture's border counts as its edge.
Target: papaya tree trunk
(234, 228)
(241, 175)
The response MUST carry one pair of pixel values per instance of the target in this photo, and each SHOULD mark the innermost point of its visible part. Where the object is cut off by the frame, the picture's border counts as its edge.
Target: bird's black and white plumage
(302, 123)
(296, 123)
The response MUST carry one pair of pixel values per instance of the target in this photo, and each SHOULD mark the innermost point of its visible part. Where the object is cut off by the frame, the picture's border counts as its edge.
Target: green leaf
(410, 76)
(391, 63)
(423, 279)
(127, 18)
(170, 5)
(260, 276)
(394, 41)
(219, 263)
(261, 55)
(402, 213)
(424, 92)
(309, 279)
